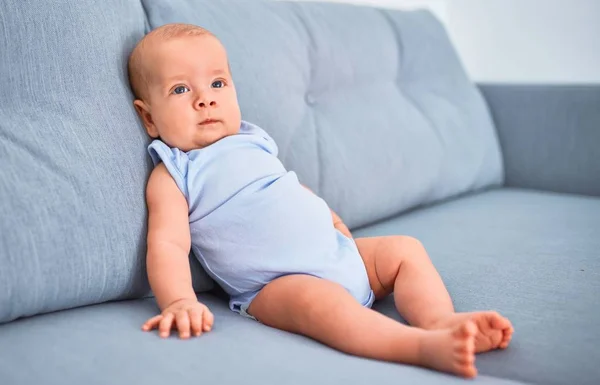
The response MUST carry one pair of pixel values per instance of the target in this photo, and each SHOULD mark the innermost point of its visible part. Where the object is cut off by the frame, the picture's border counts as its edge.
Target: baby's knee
(407, 244)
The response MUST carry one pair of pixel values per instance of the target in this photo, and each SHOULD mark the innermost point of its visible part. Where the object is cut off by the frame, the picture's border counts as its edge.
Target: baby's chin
(210, 140)
(207, 136)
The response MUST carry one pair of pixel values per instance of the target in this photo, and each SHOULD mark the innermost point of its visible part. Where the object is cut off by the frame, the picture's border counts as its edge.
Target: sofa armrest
(549, 135)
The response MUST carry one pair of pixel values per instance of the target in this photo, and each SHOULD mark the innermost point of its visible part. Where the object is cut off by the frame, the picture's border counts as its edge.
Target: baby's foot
(493, 330)
(450, 350)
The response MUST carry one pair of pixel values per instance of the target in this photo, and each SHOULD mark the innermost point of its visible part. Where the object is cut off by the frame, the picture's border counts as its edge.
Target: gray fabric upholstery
(533, 256)
(397, 121)
(74, 163)
(103, 344)
(550, 135)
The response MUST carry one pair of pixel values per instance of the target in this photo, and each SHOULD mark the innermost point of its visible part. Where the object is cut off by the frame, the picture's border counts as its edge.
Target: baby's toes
(502, 324)
(506, 337)
(464, 349)
(466, 369)
(465, 355)
(464, 341)
(498, 322)
(465, 331)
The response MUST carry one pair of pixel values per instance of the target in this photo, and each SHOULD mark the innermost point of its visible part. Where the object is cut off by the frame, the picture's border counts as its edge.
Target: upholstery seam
(312, 63)
(401, 54)
(385, 14)
(401, 51)
(147, 27)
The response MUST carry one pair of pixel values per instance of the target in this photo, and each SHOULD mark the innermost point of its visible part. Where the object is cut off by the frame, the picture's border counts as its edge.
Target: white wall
(533, 41)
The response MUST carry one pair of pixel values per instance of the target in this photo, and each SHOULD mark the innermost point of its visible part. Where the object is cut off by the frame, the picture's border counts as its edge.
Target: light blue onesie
(251, 221)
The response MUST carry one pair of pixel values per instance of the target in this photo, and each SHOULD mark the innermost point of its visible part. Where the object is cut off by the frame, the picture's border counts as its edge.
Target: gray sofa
(372, 109)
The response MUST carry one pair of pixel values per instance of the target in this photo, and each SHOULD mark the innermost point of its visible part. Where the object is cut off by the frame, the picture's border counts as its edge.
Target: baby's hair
(137, 76)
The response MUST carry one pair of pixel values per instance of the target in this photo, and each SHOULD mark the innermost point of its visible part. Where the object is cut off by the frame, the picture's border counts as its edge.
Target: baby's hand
(184, 314)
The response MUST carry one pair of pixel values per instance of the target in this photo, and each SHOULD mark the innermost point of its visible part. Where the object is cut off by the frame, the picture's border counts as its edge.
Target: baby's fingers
(183, 324)
(165, 325)
(208, 320)
(196, 321)
(152, 323)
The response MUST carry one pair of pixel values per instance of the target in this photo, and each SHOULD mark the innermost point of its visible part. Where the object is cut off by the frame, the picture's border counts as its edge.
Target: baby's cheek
(235, 118)
(164, 120)
(182, 124)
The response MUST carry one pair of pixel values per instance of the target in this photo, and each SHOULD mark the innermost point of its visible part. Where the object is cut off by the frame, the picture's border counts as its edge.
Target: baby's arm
(337, 221)
(338, 224)
(167, 259)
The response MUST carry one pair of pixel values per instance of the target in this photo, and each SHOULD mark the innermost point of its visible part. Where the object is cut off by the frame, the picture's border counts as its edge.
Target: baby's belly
(260, 235)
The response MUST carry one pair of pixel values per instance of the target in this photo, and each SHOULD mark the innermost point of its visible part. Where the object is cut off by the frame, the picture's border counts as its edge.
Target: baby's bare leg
(400, 264)
(326, 312)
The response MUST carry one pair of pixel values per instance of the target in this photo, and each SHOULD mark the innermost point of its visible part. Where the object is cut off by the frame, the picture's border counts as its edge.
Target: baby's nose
(204, 100)
(205, 103)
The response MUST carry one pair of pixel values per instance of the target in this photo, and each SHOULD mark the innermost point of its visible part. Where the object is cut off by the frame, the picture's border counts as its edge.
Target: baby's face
(192, 99)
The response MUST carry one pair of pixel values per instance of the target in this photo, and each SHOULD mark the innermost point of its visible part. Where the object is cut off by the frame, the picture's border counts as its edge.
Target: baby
(281, 254)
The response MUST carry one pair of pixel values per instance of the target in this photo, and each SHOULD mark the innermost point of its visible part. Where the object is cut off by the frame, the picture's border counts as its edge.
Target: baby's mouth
(208, 121)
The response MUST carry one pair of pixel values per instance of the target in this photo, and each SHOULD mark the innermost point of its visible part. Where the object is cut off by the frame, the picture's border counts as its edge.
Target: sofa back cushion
(370, 107)
(73, 157)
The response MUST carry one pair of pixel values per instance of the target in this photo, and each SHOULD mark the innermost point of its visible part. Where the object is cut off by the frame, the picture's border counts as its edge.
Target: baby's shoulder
(160, 185)
(255, 131)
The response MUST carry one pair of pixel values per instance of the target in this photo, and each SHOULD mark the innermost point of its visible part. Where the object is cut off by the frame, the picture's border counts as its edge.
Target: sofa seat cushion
(103, 344)
(519, 252)
(533, 256)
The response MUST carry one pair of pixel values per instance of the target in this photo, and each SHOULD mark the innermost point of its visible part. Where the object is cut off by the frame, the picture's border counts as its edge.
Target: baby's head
(184, 92)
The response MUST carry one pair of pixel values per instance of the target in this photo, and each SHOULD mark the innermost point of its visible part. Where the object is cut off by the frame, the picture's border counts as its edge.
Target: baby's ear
(144, 112)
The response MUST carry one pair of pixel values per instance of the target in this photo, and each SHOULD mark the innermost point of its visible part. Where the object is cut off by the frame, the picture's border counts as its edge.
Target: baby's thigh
(293, 302)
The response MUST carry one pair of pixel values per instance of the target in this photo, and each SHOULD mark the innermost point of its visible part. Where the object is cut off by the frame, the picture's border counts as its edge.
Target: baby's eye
(218, 84)
(180, 90)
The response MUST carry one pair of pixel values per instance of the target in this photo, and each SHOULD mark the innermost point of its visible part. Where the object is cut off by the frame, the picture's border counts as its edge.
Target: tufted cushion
(370, 107)
(73, 154)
